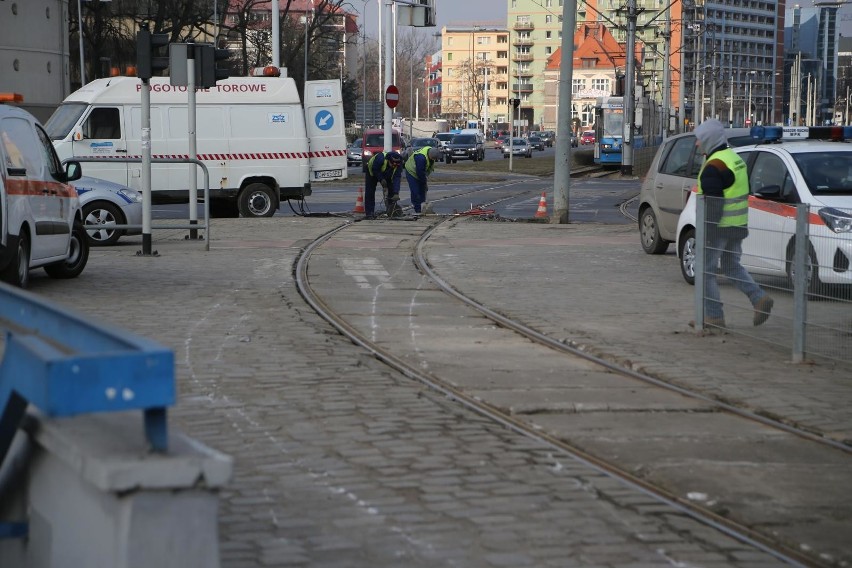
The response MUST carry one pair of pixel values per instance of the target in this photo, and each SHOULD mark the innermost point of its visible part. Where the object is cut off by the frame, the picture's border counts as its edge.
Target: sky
(449, 12)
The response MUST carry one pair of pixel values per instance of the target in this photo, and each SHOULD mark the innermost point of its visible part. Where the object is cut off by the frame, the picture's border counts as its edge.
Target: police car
(786, 167)
(42, 225)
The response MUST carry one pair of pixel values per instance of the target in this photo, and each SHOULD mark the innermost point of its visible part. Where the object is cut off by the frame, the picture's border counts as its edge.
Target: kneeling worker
(418, 167)
(384, 168)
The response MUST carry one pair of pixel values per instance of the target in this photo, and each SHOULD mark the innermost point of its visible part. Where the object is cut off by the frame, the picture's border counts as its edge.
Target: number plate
(328, 174)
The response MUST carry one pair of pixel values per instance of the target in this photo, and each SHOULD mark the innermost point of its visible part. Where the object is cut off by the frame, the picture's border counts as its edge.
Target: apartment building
(474, 72)
(719, 52)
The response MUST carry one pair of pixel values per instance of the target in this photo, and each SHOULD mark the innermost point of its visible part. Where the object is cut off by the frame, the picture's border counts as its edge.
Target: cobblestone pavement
(341, 462)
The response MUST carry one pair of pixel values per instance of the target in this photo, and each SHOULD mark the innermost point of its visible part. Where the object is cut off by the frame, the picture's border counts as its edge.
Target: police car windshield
(826, 173)
(63, 120)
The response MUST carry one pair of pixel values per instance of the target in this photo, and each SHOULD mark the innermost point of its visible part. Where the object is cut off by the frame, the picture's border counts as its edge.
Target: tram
(609, 127)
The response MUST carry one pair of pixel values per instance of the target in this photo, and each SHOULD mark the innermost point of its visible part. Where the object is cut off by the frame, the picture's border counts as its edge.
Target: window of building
(502, 39)
(502, 54)
(483, 40)
(548, 19)
(548, 50)
(578, 85)
(450, 40)
(547, 35)
(601, 84)
(449, 56)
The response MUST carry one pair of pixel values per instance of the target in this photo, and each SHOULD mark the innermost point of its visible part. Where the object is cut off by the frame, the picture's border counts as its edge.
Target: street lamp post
(306, 38)
(748, 113)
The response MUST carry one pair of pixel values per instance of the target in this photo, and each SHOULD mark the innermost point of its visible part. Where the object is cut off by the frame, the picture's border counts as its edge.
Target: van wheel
(78, 255)
(257, 200)
(649, 233)
(686, 255)
(17, 272)
(103, 214)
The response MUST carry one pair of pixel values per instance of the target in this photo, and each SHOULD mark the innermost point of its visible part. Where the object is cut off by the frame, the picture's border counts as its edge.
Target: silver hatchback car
(670, 179)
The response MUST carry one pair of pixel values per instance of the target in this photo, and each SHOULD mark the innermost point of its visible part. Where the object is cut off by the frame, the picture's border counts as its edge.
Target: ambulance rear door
(326, 136)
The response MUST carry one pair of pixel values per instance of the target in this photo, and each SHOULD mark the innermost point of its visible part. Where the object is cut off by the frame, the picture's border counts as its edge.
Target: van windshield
(63, 119)
(378, 140)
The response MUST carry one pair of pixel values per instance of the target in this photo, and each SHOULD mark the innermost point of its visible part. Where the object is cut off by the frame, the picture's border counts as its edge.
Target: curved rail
(790, 556)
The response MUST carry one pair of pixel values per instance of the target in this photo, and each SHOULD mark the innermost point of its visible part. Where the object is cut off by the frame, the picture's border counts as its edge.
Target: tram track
(450, 387)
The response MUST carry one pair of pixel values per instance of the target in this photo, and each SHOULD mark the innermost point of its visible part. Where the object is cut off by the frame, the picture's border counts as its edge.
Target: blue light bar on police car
(787, 133)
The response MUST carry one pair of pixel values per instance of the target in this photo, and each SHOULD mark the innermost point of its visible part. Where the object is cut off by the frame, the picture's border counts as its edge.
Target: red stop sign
(392, 96)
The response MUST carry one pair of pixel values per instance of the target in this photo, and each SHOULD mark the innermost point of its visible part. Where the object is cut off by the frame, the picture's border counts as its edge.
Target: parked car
(466, 146)
(536, 142)
(374, 141)
(354, 153)
(781, 175)
(549, 137)
(417, 143)
(520, 147)
(670, 178)
(588, 137)
(42, 221)
(107, 204)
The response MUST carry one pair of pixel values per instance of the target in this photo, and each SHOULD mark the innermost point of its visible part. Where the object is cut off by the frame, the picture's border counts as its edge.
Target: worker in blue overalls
(417, 168)
(385, 169)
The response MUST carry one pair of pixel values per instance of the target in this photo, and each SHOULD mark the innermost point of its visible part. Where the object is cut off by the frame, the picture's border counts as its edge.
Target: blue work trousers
(370, 184)
(418, 191)
(723, 254)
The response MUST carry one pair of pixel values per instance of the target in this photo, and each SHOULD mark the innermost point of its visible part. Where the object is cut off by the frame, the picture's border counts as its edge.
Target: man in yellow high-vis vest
(723, 179)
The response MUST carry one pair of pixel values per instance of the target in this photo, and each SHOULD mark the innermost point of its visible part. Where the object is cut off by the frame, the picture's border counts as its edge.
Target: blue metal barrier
(65, 366)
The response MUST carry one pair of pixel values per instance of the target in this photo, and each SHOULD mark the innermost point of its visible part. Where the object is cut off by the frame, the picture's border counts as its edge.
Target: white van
(41, 224)
(258, 142)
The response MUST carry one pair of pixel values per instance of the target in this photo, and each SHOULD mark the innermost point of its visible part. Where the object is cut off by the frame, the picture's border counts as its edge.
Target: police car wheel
(78, 255)
(257, 200)
(686, 254)
(17, 272)
(814, 284)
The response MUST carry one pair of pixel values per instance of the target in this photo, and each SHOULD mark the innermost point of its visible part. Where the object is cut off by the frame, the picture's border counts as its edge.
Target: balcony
(522, 57)
(522, 41)
(523, 26)
(522, 73)
(522, 88)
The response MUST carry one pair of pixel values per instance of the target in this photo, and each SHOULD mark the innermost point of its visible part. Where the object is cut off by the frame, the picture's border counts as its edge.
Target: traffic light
(148, 61)
(209, 56)
(516, 103)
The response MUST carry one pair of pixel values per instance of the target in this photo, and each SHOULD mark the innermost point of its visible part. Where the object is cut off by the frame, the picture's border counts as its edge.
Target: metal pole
(276, 34)
(82, 57)
(306, 44)
(191, 135)
(146, 168)
(667, 72)
(629, 97)
(381, 53)
(562, 171)
(731, 107)
(388, 74)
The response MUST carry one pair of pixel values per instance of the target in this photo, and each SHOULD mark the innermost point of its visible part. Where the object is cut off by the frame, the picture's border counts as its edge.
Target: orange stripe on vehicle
(780, 209)
(37, 187)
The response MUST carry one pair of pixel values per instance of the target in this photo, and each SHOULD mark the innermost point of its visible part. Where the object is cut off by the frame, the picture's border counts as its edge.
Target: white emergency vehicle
(260, 144)
(42, 225)
(791, 166)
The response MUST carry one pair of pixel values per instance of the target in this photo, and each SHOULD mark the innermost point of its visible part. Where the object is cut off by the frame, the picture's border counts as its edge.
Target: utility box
(92, 494)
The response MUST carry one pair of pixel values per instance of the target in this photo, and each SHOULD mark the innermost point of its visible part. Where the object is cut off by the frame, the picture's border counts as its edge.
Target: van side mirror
(77, 134)
(73, 171)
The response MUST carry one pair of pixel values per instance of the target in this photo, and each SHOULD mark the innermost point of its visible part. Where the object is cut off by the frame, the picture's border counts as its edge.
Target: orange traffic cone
(542, 207)
(359, 202)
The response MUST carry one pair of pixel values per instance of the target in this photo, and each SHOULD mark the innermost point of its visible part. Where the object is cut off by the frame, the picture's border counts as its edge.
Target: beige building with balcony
(473, 57)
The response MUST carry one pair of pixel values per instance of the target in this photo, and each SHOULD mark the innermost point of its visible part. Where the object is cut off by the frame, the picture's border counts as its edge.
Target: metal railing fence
(802, 264)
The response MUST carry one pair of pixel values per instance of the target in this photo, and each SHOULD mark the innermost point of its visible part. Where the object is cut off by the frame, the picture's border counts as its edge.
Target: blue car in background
(107, 204)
